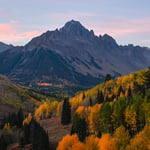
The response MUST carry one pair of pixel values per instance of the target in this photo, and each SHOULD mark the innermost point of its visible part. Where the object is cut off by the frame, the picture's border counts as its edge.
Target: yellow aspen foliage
(141, 141)
(70, 142)
(119, 81)
(7, 126)
(109, 96)
(115, 90)
(92, 143)
(76, 101)
(130, 117)
(114, 100)
(46, 110)
(83, 112)
(59, 109)
(132, 85)
(78, 146)
(51, 109)
(107, 143)
(121, 95)
(147, 113)
(131, 77)
(126, 93)
(41, 110)
(28, 119)
(94, 119)
(140, 76)
(124, 80)
(109, 83)
(121, 138)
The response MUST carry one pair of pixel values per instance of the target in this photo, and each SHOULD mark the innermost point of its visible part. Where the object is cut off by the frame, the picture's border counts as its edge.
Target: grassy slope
(13, 97)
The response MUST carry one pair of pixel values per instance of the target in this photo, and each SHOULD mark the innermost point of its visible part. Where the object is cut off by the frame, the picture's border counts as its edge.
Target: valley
(102, 113)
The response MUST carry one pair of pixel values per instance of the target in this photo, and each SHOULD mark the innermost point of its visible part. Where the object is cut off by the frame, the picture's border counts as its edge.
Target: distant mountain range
(72, 56)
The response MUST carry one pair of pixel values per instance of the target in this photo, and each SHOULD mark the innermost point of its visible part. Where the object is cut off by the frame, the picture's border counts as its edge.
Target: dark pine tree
(119, 91)
(90, 101)
(147, 79)
(105, 115)
(129, 95)
(3, 144)
(108, 77)
(25, 139)
(20, 118)
(100, 97)
(80, 127)
(66, 112)
(83, 97)
(34, 134)
(39, 138)
(107, 99)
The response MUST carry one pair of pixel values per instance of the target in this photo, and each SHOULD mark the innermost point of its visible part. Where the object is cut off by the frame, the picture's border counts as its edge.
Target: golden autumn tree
(121, 138)
(141, 141)
(46, 110)
(28, 119)
(107, 143)
(130, 118)
(83, 112)
(76, 101)
(92, 143)
(70, 142)
(94, 120)
(78, 146)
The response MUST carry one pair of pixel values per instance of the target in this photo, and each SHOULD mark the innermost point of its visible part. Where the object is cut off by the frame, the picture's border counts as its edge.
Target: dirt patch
(55, 129)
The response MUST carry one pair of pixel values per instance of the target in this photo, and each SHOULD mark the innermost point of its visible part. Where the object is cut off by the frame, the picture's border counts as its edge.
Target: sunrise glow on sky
(128, 21)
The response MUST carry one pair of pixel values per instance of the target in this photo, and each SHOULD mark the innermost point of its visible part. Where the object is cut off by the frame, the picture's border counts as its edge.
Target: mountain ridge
(4, 46)
(71, 55)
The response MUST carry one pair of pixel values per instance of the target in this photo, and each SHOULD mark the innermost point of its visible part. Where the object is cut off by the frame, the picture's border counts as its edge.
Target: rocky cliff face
(72, 55)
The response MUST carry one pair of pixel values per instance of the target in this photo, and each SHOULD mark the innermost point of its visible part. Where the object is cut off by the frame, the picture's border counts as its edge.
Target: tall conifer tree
(66, 112)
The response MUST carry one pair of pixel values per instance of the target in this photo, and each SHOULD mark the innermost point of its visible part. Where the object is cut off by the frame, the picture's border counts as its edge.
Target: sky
(127, 21)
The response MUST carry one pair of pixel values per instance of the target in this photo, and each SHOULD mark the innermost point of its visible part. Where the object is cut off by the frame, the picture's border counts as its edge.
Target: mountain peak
(72, 24)
(75, 28)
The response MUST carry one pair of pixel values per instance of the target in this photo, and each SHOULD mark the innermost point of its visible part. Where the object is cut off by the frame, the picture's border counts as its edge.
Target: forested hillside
(18, 127)
(113, 115)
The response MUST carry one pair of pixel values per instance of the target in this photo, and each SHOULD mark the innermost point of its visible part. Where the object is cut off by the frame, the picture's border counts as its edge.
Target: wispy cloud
(119, 27)
(9, 33)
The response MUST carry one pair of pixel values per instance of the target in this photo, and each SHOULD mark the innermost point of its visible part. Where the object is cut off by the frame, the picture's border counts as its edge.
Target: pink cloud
(30, 34)
(9, 33)
(120, 27)
(6, 28)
